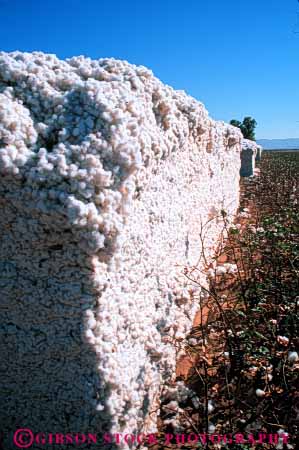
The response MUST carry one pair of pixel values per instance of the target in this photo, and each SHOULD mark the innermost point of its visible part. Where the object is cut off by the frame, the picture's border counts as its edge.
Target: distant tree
(236, 123)
(247, 127)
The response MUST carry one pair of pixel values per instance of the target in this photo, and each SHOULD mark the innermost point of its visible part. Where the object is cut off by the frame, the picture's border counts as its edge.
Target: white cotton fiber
(107, 178)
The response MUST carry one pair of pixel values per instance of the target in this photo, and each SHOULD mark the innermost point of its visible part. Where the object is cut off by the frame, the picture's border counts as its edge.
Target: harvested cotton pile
(107, 178)
(251, 152)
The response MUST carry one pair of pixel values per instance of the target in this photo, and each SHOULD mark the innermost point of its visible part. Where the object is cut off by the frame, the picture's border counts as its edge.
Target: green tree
(236, 123)
(247, 127)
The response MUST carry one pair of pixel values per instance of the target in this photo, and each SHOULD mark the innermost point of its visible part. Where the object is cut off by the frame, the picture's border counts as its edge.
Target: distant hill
(279, 144)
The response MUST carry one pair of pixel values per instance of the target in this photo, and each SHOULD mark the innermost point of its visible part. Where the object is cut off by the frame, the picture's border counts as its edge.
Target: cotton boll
(231, 268)
(171, 406)
(211, 428)
(283, 340)
(196, 402)
(100, 407)
(192, 341)
(260, 393)
(283, 438)
(210, 407)
(221, 270)
(244, 215)
(211, 272)
(179, 335)
(293, 357)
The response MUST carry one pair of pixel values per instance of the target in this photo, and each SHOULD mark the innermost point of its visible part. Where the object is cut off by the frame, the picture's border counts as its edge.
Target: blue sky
(238, 57)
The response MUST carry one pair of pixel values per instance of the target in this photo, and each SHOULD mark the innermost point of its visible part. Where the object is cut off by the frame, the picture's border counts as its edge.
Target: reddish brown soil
(226, 286)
